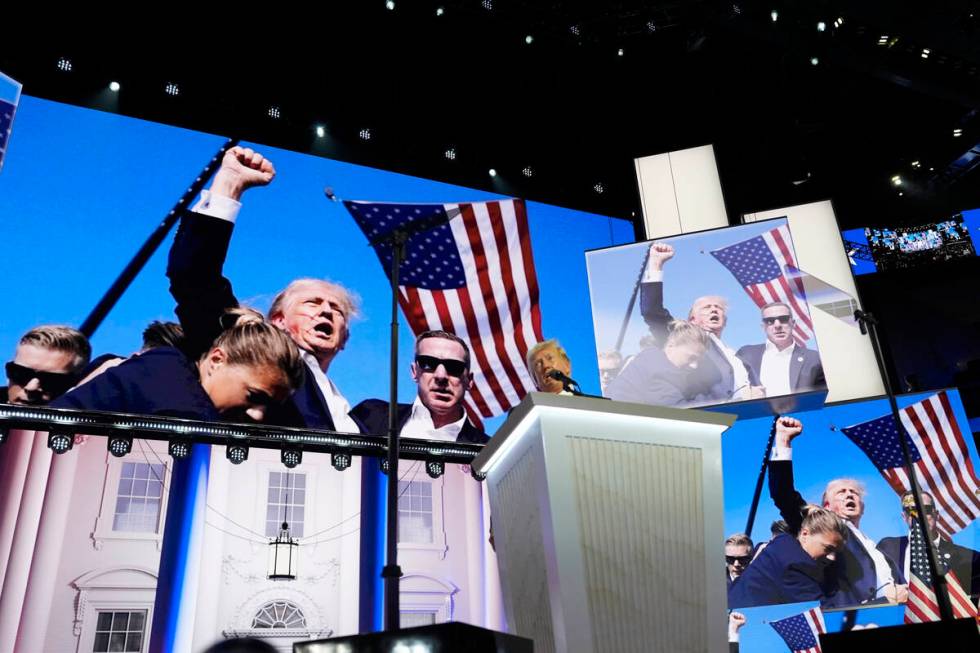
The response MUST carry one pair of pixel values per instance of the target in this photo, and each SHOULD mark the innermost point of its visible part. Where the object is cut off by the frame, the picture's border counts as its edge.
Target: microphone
(565, 380)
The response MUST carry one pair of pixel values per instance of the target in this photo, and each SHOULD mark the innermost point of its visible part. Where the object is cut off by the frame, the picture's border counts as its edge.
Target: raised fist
(787, 428)
(241, 168)
(660, 253)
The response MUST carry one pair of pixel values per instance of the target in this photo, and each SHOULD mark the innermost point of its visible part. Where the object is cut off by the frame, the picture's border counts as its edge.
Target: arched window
(279, 614)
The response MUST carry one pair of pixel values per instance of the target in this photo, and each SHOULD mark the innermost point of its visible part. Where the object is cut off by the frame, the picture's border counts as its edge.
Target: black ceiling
(567, 104)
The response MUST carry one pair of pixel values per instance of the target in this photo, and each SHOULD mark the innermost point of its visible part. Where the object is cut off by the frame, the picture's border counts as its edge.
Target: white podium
(608, 524)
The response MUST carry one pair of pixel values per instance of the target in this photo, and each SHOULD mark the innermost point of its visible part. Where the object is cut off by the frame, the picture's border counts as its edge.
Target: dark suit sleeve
(744, 354)
(108, 391)
(652, 309)
(196, 283)
(371, 416)
(784, 495)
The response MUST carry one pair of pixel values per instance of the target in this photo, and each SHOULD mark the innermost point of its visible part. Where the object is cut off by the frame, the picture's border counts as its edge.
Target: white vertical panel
(680, 192)
(847, 356)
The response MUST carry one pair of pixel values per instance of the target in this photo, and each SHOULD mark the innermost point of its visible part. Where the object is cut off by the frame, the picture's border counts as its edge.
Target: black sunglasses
(782, 319)
(743, 559)
(430, 364)
(55, 383)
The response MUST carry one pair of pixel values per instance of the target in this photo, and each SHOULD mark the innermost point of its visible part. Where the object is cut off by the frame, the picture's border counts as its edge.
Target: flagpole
(869, 326)
(149, 247)
(762, 475)
(632, 302)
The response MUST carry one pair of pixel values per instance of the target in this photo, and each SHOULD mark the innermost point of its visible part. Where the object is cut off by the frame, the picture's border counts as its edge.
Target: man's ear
(414, 368)
(278, 320)
(467, 381)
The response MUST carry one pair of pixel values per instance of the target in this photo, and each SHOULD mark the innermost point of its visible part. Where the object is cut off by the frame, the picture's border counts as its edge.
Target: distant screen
(876, 249)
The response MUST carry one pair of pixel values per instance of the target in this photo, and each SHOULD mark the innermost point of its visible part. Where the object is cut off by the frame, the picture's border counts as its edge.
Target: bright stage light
(774, 15)
(440, 11)
(896, 180)
(528, 171)
(60, 441)
(451, 154)
(120, 445)
(529, 39)
(492, 172)
(821, 26)
(390, 5)
(814, 61)
(114, 87)
(365, 134)
(64, 65)
(320, 131)
(179, 449)
(620, 52)
(172, 89)
(291, 457)
(926, 52)
(599, 188)
(274, 112)
(957, 132)
(236, 453)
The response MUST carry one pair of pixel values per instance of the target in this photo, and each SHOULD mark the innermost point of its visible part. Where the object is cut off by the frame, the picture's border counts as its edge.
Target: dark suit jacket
(650, 378)
(853, 572)
(783, 573)
(203, 294)
(963, 562)
(161, 381)
(714, 378)
(805, 370)
(372, 416)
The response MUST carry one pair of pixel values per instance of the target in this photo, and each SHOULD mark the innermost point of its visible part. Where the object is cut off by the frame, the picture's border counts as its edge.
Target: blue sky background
(82, 189)
(692, 273)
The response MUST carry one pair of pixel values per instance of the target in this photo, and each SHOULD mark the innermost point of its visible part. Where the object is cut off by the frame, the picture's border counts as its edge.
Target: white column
(13, 475)
(475, 593)
(206, 627)
(22, 548)
(47, 553)
(350, 548)
(494, 601)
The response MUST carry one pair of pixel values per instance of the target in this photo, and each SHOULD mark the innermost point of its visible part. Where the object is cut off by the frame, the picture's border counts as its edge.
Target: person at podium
(543, 361)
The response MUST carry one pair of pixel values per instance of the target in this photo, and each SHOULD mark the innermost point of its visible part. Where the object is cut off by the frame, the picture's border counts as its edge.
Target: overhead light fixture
(840, 21)
(814, 61)
(179, 449)
(236, 452)
(172, 89)
(620, 52)
(916, 164)
(774, 15)
(119, 445)
(926, 52)
(440, 11)
(529, 39)
(528, 171)
(320, 131)
(60, 441)
(385, 467)
(487, 4)
(450, 154)
(435, 468)
(390, 5)
(896, 180)
(114, 86)
(283, 552)
(651, 26)
(821, 26)
(599, 188)
(492, 172)
(274, 112)
(340, 460)
(365, 134)
(957, 132)
(575, 30)
(291, 456)
(883, 39)
(64, 65)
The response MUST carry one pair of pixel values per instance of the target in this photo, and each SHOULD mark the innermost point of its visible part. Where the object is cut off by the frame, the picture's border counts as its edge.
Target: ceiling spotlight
(390, 5)
(274, 112)
(114, 86)
(179, 449)
(840, 21)
(291, 456)
(340, 461)
(957, 132)
(528, 171)
(599, 188)
(883, 39)
(620, 52)
(901, 194)
(440, 11)
(774, 15)
(916, 164)
(575, 30)
(385, 466)
(926, 52)
(814, 61)
(651, 26)
(172, 89)
(896, 180)
(120, 445)
(236, 453)
(450, 154)
(320, 131)
(529, 39)
(365, 134)
(821, 26)
(64, 65)
(4, 434)
(931, 169)
(492, 172)
(60, 441)
(487, 4)
(736, 10)
(435, 468)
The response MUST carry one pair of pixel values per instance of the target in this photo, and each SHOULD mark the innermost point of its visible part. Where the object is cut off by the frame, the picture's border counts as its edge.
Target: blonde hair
(349, 301)
(551, 342)
(739, 539)
(262, 345)
(824, 500)
(718, 299)
(821, 520)
(685, 333)
(60, 338)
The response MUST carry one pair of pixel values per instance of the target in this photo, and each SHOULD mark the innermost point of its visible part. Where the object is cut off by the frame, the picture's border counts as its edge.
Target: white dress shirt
(882, 569)
(740, 386)
(420, 425)
(774, 371)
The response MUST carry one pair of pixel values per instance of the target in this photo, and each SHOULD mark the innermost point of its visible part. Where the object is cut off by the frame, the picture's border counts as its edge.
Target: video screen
(874, 249)
(703, 319)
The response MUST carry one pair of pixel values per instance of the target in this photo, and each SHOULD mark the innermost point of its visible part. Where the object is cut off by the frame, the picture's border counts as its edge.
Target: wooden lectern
(608, 523)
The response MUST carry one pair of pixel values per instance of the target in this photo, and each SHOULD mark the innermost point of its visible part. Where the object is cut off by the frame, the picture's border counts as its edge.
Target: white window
(119, 631)
(138, 498)
(415, 512)
(286, 501)
(279, 614)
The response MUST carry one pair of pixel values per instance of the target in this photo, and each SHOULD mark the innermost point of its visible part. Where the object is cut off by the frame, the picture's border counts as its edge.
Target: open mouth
(325, 328)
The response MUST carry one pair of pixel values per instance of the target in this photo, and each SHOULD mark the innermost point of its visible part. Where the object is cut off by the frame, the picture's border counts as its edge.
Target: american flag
(801, 632)
(922, 605)
(760, 265)
(469, 272)
(939, 455)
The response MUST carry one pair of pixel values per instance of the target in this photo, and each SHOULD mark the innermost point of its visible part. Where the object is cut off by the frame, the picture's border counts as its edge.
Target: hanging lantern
(283, 554)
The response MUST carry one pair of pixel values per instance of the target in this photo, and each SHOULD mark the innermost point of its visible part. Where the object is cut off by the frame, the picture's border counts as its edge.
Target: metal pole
(632, 302)
(869, 325)
(136, 264)
(762, 475)
(392, 572)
